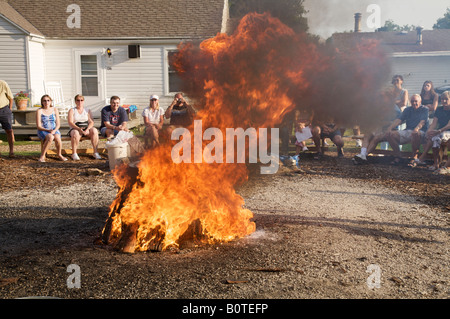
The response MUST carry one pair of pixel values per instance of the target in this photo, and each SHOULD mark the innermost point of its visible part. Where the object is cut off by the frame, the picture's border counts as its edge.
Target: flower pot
(22, 105)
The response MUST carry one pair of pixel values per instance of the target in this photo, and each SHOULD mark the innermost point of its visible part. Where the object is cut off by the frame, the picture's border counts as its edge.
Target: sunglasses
(80, 100)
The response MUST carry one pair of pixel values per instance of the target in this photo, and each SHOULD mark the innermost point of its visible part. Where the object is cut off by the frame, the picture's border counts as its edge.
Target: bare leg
(374, 142)
(426, 149)
(45, 146)
(394, 141)
(11, 140)
(415, 144)
(337, 140)
(58, 145)
(75, 140)
(436, 157)
(316, 138)
(93, 135)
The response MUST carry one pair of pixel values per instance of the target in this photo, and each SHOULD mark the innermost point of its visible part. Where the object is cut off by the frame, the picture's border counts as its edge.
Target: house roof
(399, 42)
(15, 17)
(125, 19)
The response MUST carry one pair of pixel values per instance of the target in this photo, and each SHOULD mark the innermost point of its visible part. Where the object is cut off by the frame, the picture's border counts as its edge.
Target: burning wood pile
(251, 79)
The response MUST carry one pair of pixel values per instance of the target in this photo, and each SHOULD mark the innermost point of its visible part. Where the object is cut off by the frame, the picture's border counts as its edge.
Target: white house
(418, 56)
(101, 48)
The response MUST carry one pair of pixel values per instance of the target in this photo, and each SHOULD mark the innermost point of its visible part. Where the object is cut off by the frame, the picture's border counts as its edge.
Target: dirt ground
(329, 230)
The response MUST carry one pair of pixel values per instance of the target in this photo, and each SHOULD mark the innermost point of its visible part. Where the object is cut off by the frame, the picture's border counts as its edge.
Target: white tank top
(77, 117)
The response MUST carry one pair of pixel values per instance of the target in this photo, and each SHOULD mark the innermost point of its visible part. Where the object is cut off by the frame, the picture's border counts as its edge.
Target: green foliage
(389, 25)
(290, 12)
(443, 23)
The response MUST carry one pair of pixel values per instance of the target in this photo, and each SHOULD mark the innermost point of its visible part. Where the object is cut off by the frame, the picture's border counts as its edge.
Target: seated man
(438, 135)
(114, 119)
(416, 120)
(331, 131)
(303, 120)
(180, 113)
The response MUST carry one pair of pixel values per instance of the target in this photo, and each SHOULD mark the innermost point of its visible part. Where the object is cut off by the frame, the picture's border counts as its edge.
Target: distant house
(417, 55)
(101, 48)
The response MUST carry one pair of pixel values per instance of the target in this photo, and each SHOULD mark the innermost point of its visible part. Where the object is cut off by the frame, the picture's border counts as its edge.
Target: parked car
(442, 89)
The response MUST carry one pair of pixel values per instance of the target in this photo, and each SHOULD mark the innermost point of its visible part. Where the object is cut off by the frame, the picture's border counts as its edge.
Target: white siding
(416, 70)
(132, 79)
(59, 67)
(37, 70)
(136, 79)
(13, 61)
(7, 28)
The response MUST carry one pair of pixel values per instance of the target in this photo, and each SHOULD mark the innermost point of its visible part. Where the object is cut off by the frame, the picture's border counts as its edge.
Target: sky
(326, 17)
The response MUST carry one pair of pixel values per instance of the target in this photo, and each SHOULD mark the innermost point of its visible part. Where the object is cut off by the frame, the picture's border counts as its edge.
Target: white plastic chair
(54, 89)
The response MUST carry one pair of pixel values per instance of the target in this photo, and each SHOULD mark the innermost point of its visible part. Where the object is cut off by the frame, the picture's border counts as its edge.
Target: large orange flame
(252, 78)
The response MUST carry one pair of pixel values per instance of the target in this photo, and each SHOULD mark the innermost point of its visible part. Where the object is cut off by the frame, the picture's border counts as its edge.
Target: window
(89, 75)
(175, 82)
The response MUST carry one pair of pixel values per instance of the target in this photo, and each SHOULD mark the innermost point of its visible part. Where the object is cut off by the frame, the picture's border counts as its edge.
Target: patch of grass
(20, 140)
(26, 153)
(138, 130)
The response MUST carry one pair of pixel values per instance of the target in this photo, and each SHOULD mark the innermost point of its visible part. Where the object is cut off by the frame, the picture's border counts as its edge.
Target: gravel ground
(331, 230)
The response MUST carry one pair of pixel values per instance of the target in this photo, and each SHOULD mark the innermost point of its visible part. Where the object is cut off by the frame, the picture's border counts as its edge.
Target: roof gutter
(22, 29)
(420, 54)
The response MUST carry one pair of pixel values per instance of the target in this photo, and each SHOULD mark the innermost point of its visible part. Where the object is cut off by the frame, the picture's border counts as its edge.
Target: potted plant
(21, 100)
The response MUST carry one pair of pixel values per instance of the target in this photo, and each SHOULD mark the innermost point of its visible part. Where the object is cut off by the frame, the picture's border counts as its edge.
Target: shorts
(331, 135)
(405, 136)
(103, 131)
(6, 118)
(43, 134)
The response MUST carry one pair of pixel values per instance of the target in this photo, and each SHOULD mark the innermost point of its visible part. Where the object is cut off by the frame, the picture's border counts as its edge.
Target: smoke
(326, 17)
(264, 71)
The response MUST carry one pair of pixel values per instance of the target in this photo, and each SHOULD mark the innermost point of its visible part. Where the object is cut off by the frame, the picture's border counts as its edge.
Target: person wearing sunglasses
(48, 124)
(82, 125)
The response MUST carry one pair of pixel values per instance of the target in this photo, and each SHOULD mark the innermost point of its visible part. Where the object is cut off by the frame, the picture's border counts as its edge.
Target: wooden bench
(68, 151)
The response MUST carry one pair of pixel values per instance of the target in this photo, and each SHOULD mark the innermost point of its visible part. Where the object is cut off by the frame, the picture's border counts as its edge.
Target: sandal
(412, 164)
(432, 168)
(416, 162)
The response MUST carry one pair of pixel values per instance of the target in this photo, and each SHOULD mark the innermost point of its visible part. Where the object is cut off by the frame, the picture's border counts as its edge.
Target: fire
(252, 78)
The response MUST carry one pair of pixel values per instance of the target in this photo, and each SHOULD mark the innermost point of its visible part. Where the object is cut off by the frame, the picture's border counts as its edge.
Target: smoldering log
(121, 197)
(154, 239)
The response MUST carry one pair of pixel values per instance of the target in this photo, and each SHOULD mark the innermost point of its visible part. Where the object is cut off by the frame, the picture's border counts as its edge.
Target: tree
(290, 12)
(389, 25)
(443, 23)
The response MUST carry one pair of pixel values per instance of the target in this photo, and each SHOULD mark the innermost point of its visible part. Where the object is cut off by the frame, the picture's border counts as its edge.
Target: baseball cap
(154, 97)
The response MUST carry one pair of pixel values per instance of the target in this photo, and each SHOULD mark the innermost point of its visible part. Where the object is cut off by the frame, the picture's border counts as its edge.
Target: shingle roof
(15, 17)
(396, 42)
(125, 19)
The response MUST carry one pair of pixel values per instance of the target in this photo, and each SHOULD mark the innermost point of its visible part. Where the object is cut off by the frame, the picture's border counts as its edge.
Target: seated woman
(153, 121)
(82, 125)
(430, 98)
(48, 123)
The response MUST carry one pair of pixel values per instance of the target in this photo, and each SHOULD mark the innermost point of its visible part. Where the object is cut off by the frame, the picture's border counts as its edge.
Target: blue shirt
(116, 118)
(412, 117)
(443, 117)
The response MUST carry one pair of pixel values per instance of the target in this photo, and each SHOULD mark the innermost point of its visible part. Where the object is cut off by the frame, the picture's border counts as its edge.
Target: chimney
(358, 22)
(419, 36)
